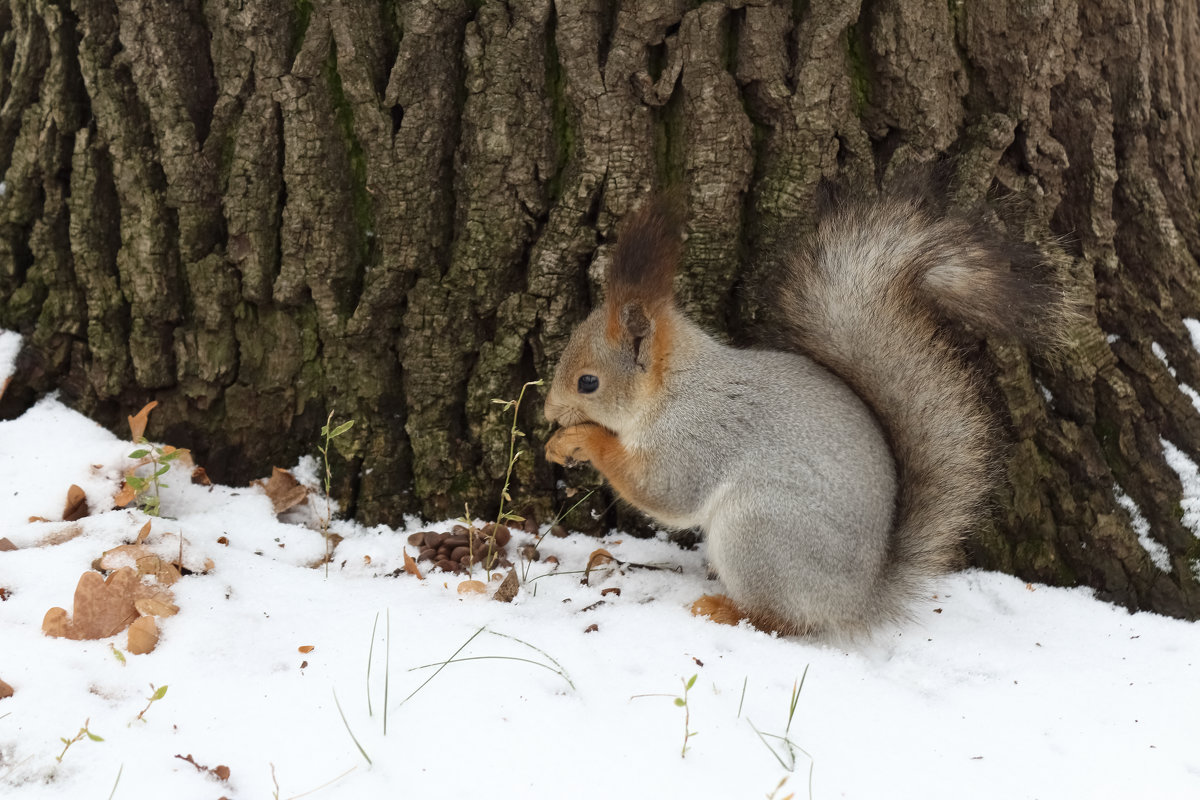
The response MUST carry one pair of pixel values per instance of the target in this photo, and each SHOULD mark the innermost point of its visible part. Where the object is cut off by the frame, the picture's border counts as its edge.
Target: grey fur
(817, 516)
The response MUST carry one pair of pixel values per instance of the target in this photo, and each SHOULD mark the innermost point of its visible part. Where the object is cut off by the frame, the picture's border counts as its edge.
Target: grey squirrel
(833, 477)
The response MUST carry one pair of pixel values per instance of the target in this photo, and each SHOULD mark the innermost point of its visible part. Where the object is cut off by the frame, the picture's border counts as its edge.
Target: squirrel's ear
(646, 256)
(636, 326)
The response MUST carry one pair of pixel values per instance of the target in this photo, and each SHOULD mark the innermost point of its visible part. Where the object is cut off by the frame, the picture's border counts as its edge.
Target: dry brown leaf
(598, 557)
(62, 535)
(155, 607)
(143, 636)
(103, 607)
(77, 506)
(5, 690)
(284, 490)
(508, 588)
(306, 648)
(137, 423)
(38, 519)
(124, 496)
(200, 477)
(6, 545)
(143, 533)
(4, 386)
(56, 623)
(472, 587)
(410, 566)
(209, 565)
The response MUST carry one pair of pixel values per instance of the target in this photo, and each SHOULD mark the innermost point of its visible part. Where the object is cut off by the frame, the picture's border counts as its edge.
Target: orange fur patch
(719, 609)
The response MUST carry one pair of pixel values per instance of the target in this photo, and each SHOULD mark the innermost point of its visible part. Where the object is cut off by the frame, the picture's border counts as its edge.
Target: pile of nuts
(457, 550)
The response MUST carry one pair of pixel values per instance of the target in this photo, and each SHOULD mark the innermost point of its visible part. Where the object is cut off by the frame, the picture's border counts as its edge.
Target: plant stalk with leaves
(329, 432)
(78, 737)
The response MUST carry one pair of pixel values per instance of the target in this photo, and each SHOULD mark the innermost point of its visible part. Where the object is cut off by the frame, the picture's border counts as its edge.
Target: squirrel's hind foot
(724, 611)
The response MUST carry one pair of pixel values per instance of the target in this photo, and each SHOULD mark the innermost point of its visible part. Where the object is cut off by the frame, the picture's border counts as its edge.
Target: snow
(997, 689)
(1158, 552)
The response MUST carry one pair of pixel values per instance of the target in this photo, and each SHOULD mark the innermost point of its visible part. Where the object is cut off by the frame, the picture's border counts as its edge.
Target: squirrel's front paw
(568, 446)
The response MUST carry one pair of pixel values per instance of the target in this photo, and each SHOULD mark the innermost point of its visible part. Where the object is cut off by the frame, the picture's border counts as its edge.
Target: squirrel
(833, 477)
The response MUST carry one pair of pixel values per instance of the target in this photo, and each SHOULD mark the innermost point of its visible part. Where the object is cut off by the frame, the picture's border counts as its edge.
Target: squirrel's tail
(865, 300)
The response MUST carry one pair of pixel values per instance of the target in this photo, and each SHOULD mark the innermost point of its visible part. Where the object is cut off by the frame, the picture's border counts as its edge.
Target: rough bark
(258, 213)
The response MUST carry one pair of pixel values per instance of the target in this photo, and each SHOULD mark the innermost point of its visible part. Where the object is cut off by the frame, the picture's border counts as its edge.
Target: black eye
(588, 384)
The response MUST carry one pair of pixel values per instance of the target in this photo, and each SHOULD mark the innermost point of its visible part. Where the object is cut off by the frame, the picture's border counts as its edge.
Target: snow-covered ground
(998, 690)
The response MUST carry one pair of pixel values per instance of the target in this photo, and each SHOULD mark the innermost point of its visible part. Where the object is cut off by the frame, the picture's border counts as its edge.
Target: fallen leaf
(6, 545)
(5, 690)
(598, 557)
(410, 566)
(103, 607)
(38, 519)
(209, 565)
(137, 423)
(307, 648)
(284, 490)
(124, 496)
(62, 535)
(143, 636)
(143, 533)
(200, 477)
(155, 607)
(221, 771)
(508, 588)
(366, 559)
(471, 587)
(591, 628)
(223, 540)
(611, 590)
(77, 506)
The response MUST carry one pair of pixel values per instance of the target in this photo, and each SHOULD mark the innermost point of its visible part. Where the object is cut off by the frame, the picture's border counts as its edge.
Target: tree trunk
(257, 212)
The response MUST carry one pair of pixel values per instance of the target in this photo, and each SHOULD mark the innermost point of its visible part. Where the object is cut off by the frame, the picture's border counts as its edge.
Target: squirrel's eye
(588, 384)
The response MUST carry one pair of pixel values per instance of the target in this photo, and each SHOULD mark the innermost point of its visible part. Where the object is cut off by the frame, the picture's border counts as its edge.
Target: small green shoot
(789, 748)
(557, 668)
(118, 655)
(347, 724)
(148, 490)
(387, 665)
(370, 658)
(83, 732)
(116, 783)
(158, 694)
(681, 702)
(329, 432)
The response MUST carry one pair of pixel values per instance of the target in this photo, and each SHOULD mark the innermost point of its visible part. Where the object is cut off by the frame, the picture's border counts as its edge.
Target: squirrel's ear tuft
(647, 255)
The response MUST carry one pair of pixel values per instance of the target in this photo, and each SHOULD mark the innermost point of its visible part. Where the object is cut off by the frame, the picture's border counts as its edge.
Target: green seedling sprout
(329, 432)
(83, 732)
(158, 694)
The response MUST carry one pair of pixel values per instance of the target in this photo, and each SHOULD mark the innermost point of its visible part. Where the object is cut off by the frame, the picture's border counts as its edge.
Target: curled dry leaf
(508, 588)
(5, 690)
(6, 545)
(137, 423)
(143, 636)
(146, 561)
(284, 490)
(143, 533)
(306, 648)
(598, 558)
(125, 495)
(200, 477)
(410, 566)
(76, 506)
(472, 587)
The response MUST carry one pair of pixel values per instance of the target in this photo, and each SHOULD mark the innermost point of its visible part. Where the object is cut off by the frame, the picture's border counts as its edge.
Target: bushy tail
(865, 299)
